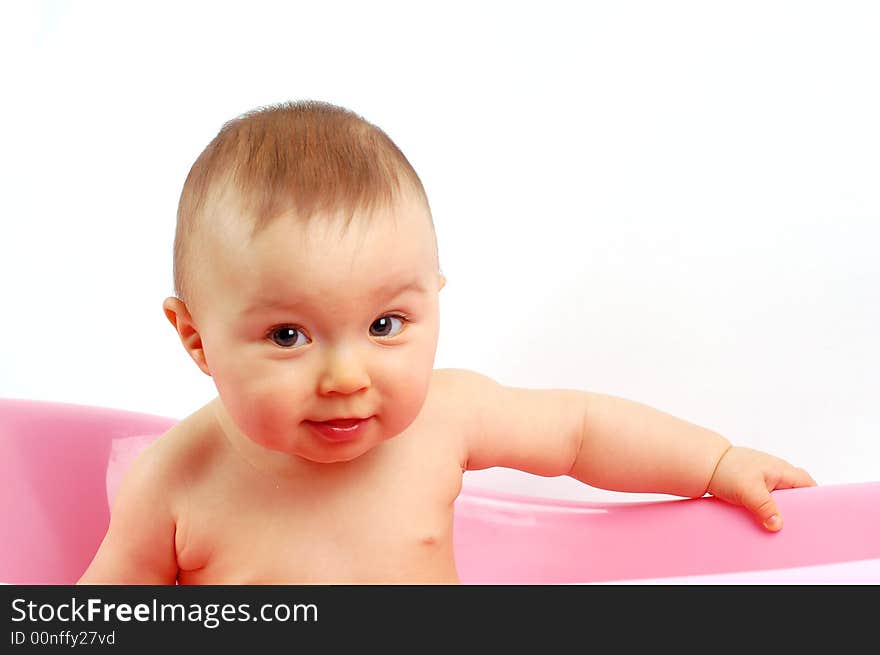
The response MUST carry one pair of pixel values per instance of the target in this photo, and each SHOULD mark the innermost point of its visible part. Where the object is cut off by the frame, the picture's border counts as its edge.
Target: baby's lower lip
(341, 430)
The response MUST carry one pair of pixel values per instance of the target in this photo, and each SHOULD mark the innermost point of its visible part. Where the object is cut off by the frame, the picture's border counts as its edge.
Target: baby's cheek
(263, 407)
(244, 409)
(405, 393)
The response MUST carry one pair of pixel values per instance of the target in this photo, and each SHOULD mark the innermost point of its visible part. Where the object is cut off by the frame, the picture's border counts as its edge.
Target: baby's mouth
(340, 429)
(343, 423)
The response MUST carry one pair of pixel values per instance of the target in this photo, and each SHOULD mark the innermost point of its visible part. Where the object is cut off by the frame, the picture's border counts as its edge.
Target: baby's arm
(139, 546)
(614, 444)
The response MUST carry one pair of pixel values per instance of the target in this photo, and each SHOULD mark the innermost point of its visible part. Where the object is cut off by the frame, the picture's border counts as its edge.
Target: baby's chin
(319, 451)
(336, 453)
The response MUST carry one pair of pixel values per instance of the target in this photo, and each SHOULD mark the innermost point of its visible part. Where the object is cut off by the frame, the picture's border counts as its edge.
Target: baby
(307, 279)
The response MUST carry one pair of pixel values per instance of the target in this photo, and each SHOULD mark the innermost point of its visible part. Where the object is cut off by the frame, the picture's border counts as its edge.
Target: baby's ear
(179, 317)
(442, 281)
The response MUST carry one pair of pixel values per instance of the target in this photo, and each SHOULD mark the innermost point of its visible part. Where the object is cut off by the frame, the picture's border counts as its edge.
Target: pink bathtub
(54, 462)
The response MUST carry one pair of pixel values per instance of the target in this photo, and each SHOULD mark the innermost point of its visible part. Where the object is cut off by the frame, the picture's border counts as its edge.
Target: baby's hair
(306, 156)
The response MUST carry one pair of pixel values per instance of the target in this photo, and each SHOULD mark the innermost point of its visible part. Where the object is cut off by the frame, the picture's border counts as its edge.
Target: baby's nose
(344, 373)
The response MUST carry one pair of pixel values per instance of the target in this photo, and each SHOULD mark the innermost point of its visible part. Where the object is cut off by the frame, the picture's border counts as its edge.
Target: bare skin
(385, 517)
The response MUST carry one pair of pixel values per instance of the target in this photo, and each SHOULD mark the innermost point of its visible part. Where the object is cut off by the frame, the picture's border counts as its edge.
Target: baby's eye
(287, 336)
(383, 327)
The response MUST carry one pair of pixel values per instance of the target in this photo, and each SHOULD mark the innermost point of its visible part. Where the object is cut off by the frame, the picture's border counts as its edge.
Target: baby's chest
(394, 528)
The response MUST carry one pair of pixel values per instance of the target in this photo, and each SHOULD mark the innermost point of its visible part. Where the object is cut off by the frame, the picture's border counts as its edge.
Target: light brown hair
(307, 156)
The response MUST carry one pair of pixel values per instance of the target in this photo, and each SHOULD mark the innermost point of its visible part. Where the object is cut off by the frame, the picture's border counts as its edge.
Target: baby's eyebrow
(391, 291)
(386, 292)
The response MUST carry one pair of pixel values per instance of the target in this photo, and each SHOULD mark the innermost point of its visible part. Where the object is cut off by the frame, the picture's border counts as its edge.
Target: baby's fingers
(795, 477)
(758, 501)
(789, 478)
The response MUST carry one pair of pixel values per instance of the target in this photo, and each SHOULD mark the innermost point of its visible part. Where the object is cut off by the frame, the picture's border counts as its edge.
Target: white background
(672, 202)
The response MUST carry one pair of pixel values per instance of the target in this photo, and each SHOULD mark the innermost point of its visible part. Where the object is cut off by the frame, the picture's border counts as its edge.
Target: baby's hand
(746, 477)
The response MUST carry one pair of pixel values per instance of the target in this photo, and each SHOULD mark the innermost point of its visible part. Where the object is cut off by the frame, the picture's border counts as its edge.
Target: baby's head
(307, 279)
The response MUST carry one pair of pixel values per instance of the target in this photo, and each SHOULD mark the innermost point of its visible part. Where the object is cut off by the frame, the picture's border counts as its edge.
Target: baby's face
(305, 324)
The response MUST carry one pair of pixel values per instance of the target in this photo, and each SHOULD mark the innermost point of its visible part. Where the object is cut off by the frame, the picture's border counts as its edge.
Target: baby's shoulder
(449, 381)
(457, 392)
(179, 455)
